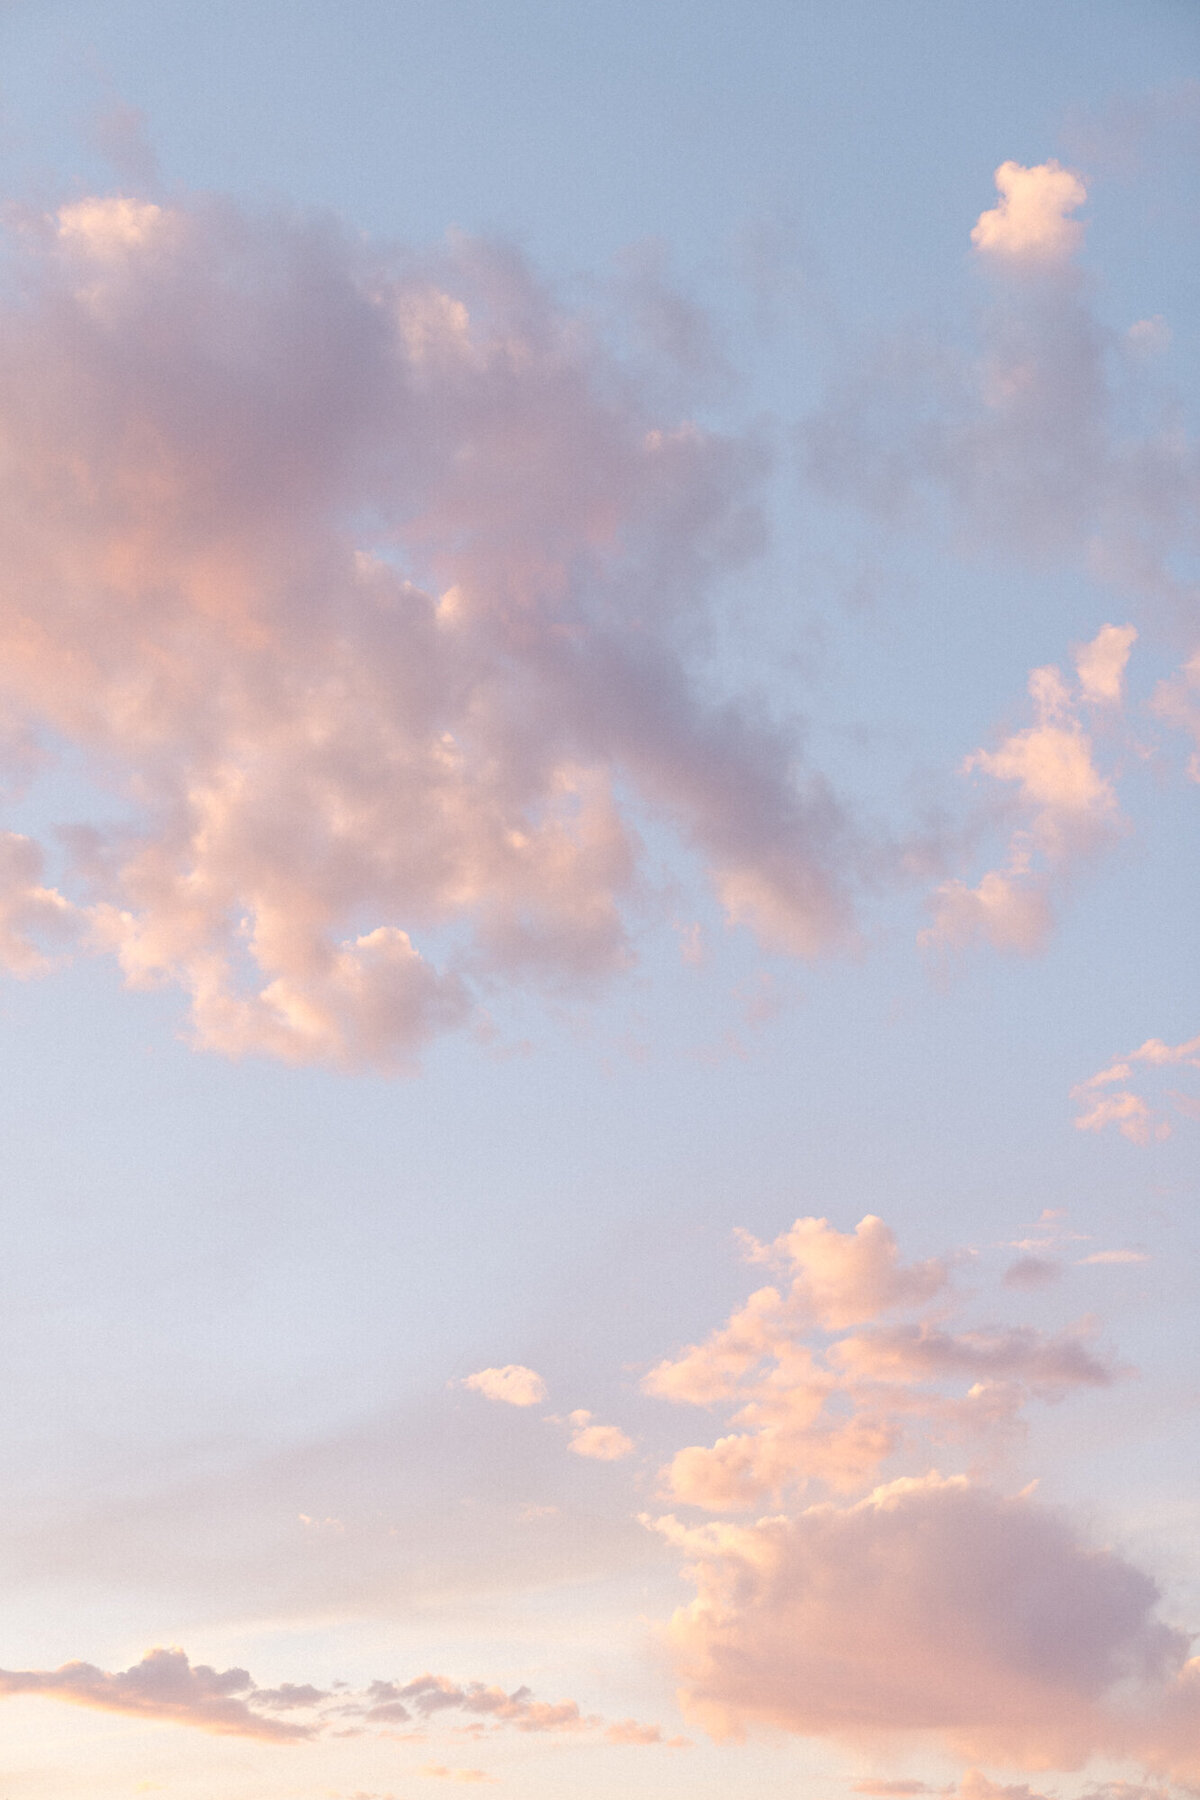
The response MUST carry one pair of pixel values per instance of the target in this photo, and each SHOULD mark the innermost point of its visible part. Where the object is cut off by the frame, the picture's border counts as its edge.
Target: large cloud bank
(375, 588)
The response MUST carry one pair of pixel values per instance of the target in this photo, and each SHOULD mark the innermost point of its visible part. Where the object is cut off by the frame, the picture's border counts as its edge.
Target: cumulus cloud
(842, 1278)
(1066, 807)
(602, 1443)
(1131, 1113)
(513, 1384)
(832, 1413)
(374, 587)
(936, 1607)
(930, 1607)
(1032, 219)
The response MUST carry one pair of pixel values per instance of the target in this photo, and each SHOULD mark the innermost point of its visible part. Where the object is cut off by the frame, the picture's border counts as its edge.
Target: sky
(600, 747)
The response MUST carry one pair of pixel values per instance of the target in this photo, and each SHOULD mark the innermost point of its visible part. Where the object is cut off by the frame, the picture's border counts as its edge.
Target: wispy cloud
(1107, 1098)
(1067, 809)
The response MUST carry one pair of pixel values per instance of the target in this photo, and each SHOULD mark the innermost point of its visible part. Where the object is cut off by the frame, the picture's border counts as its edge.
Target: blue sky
(681, 906)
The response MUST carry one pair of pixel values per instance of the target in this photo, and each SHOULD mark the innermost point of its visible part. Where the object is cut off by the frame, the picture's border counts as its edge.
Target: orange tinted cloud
(1032, 219)
(1066, 807)
(514, 1384)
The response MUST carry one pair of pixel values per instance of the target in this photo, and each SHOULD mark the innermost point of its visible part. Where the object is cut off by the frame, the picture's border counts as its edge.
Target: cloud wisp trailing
(167, 1687)
(1066, 809)
(373, 587)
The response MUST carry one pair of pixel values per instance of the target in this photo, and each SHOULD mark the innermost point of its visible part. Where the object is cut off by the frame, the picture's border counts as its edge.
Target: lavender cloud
(374, 587)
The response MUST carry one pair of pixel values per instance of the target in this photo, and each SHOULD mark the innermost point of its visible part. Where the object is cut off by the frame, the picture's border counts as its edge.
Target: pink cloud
(600, 1443)
(513, 1384)
(1067, 809)
(934, 1607)
(804, 1412)
(842, 1278)
(1031, 221)
(370, 584)
(1128, 1110)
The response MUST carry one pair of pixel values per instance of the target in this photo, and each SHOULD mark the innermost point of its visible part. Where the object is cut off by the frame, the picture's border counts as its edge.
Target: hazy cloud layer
(373, 588)
(1044, 436)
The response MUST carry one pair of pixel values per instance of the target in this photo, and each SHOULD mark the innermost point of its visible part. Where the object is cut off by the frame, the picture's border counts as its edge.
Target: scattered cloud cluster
(931, 1605)
(833, 1413)
(166, 1686)
(1131, 1113)
(1032, 221)
(600, 1443)
(515, 1385)
(371, 587)
(1066, 808)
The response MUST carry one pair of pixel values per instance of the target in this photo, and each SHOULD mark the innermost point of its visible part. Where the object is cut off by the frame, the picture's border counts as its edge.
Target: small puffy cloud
(1051, 763)
(603, 1443)
(513, 1384)
(1005, 909)
(1101, 664)
(166, 1686)
(1032, 222)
